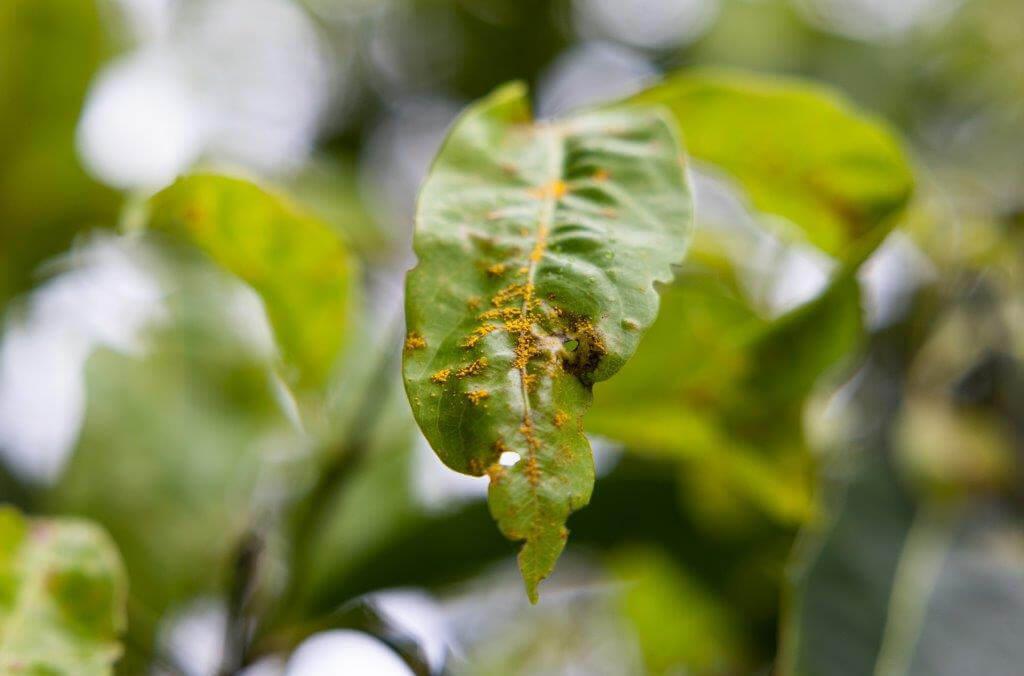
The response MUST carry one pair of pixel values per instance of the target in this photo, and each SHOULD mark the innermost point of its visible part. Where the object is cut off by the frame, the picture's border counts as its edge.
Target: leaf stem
(342, 461)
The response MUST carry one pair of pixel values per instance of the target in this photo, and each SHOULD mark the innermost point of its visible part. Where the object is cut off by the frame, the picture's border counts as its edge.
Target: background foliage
(810, 464)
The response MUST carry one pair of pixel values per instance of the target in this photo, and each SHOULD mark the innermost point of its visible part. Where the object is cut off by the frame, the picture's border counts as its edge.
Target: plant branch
(342, 462)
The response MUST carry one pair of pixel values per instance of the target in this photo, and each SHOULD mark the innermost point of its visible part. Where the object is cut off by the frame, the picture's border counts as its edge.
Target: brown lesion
(588, 351)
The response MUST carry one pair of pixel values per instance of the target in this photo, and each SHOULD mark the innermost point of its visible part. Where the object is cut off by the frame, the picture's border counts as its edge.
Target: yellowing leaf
(297, 264)
(799, 150)
(62, 597)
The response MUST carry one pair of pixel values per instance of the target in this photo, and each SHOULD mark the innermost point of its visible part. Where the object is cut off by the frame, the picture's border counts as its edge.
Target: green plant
(600, 326)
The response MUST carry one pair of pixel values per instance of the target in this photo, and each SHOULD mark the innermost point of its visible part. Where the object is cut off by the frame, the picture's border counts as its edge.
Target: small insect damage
(583, 348)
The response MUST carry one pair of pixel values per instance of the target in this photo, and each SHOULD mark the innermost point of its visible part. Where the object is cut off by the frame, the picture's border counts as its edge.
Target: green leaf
(715, 382)
(895, 586)
(49, 52)
(62, 597)
(852, 564)
(185, 432)
(721, 389)
(539, 246)
(682, 627)
(297, 264)
(799, 150)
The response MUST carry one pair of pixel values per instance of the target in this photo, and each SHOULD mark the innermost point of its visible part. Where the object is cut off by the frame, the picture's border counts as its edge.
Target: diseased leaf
(297, 264)
(798, 150)
(62, 597)
(539, 246)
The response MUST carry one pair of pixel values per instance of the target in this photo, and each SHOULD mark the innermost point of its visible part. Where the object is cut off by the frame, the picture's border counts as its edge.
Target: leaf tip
(537, 559)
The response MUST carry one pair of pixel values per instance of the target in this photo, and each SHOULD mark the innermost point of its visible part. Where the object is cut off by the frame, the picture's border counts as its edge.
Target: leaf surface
(718, 382)
(50, 51)
(62, 597)
(539, 246)
(799, 150)
(296, 263)
(721, 390)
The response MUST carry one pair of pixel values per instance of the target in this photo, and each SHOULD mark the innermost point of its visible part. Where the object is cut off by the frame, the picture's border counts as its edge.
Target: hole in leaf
(509, 459)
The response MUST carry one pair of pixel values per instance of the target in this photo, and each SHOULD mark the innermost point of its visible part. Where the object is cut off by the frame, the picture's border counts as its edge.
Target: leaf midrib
(554, 140)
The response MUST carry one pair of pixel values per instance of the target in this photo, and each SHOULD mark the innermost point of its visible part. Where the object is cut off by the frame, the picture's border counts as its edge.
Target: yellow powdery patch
(414, 341)
(476, 396)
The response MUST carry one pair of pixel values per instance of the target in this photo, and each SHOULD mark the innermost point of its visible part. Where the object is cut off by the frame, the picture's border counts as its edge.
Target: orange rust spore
(414, 341)
(478, 333)
(530, 381)
(508, 294)
(555, 189)
(472, 368)
(561, 417)
(476, 396)
(531, 467)
(441, 376)
(504, 313)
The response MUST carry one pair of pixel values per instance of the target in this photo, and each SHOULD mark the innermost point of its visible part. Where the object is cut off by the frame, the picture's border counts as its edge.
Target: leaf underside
(539, 247)
(62, 597)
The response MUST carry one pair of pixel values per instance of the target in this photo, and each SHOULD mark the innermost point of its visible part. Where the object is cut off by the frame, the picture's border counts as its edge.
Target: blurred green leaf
(187, 433)
(715, 382)
(682, 627)
(799, 150)
(844, 576)
(49, 51)
(62, 596)
(297, 264)
(716, 385)
(329, 188)
(894, 586)
(530, 236)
